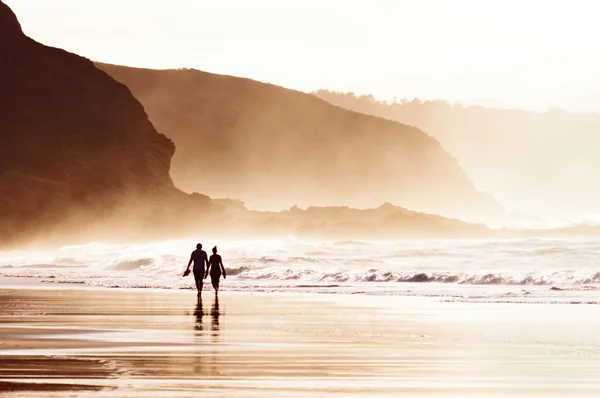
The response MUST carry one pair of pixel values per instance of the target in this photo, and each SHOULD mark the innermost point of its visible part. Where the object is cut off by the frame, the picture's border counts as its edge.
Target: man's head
(199, 246)
(215, 250)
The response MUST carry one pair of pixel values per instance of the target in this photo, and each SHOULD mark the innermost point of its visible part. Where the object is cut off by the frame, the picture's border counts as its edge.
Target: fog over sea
(539, 270)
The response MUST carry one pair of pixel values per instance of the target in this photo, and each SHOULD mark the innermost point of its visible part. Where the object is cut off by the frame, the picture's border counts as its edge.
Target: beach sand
(57, 341)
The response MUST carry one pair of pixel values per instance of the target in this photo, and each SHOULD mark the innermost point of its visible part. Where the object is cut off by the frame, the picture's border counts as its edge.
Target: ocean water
(507, 270)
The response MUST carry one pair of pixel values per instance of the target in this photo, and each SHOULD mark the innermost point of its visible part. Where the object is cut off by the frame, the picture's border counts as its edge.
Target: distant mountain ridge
(273, 147)
(540, 163)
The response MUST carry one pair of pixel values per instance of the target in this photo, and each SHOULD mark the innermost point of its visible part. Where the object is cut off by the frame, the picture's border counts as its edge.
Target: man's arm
(207, 265)
(190, 262)
(187, 269)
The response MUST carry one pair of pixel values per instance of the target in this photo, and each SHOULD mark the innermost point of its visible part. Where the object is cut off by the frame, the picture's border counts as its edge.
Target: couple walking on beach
(214, 268)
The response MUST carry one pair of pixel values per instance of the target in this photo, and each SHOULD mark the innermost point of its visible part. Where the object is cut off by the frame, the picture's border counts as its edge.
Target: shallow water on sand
(163, 343)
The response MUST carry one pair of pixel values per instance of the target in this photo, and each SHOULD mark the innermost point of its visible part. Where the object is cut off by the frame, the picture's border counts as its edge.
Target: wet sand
(57, 341)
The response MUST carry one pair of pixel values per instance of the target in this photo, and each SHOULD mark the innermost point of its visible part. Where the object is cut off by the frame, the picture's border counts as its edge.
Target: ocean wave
(234, 271)
(583, 288)
(284, 260)
(376, 275)
(132, 269)
(45, 266)
(594, 279)
(318, 253)
(420, 267)
(350, 243)
(547, 223)
(317, 286)
(449, 278)
(69, 261)
(130, 265)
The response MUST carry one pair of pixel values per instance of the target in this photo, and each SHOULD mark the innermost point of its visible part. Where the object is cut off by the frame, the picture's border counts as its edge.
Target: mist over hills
(81, 161)
(541, 163)
(274, 148)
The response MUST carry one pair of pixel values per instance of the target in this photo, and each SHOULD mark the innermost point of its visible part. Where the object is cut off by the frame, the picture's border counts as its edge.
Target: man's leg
(199, 282)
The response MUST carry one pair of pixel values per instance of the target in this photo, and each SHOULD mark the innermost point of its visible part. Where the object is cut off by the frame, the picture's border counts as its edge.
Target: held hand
(224, 276)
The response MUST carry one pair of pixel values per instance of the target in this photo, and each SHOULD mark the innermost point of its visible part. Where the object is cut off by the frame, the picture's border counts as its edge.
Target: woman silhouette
(215, 268)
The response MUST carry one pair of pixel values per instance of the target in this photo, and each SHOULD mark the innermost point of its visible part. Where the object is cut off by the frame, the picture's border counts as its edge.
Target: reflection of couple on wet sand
(204, 362)
(199, 313)
(214, 267)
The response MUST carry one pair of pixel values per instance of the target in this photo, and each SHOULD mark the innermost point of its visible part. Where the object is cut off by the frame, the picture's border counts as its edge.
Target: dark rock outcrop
(273, 147)
(343, 222)
(73, 140)
(10, 28)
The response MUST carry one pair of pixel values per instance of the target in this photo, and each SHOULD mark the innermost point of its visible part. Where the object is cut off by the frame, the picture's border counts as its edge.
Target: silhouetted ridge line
(10, 28)
(256, 136)
(537, 163)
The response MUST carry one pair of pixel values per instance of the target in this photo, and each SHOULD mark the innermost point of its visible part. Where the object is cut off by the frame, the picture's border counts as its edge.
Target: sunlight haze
(390, 198)
(519, 54)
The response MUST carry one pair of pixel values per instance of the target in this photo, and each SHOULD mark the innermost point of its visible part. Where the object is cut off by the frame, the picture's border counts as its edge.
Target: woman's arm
(222, 268)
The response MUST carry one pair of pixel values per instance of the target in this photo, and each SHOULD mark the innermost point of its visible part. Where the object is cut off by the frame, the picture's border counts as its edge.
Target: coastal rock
(73, 139)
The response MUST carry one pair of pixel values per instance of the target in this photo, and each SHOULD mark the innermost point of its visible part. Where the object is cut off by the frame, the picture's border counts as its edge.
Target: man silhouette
(200, 259)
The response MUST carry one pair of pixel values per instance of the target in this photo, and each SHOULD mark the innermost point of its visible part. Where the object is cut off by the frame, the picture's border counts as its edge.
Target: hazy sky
(513, 53)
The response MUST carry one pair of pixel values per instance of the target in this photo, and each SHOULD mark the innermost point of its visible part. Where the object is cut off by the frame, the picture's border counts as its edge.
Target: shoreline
(442, 292)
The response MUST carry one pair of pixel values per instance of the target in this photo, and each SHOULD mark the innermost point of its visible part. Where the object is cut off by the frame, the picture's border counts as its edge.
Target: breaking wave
(432, 267)
(261, 273)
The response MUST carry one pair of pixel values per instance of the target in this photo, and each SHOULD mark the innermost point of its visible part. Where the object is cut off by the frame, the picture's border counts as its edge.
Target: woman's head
(215, 250)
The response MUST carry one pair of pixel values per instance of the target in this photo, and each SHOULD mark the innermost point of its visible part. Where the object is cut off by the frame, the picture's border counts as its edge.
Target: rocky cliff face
(72, 138)
(274, 148)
